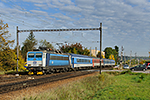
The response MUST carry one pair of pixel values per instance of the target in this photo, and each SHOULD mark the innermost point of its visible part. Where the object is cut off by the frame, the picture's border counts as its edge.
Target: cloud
(137, 2)
(125, 22)
(71, 9)
(44, 6)
(34, 1)
(39, 13)
(62, 17)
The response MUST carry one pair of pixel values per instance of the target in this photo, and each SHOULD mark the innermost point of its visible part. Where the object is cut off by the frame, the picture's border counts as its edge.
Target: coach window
(66, 58)
(59, 58)
(53, 57)
(80, 60)
(85, 60)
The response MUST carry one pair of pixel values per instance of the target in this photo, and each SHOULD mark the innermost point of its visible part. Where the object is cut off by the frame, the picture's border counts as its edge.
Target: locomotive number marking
(34, 62)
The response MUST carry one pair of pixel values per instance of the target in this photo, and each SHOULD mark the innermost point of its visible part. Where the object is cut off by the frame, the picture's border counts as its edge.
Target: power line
(18, 21)
(12, 4)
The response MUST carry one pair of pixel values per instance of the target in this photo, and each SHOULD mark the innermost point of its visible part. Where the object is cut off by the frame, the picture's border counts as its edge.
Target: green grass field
(126, 87)
(108, 86)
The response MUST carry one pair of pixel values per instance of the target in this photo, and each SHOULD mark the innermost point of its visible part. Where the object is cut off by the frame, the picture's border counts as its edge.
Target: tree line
(8, 54)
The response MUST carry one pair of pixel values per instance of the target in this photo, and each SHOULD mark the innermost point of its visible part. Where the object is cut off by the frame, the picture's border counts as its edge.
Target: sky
(124, 22)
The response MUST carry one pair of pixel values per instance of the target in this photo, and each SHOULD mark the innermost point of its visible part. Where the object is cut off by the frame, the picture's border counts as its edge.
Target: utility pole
(100, 47)
(121, 56)
(130, 57)
(95, 51)
(135, 58)
(90, 51)
(124, 58)
(17, 49)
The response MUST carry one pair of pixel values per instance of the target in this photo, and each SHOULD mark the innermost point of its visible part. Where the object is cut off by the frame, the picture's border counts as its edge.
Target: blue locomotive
(45, 61)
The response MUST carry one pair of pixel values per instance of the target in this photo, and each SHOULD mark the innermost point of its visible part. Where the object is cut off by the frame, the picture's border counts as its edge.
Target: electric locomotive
(46, 61)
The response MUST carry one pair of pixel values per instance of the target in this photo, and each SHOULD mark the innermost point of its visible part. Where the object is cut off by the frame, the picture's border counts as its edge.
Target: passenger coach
(80, 61)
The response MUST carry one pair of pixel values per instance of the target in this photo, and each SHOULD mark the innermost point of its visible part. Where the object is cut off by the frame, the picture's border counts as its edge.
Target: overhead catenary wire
(53, 30)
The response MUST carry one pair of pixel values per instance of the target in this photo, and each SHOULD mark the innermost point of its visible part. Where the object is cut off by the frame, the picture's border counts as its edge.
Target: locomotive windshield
(31, 55)
(38, 55)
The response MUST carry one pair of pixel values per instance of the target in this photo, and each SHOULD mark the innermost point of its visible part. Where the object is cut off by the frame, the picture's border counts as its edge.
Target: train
(50, 61)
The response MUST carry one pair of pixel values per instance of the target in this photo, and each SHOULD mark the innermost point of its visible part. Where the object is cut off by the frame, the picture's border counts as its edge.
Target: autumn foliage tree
(7, 55)
(112, 57)
(76, 49)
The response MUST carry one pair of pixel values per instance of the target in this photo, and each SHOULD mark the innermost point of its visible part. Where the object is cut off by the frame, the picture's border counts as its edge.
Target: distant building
(95, 52)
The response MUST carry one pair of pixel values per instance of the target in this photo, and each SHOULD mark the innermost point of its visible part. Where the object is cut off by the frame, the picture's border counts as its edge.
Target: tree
(21, 61)
(7, 59)
(7, 55)
(117, 54)
(74, 51)
(44, 43)
(109, 51)
(75, 48)
(112, 57)
(28, 44)
(117, 48)
(98, 55)
(4, 35)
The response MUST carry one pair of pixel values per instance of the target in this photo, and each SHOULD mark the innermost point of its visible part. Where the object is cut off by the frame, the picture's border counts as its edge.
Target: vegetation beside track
(13, 72)
(114, 85)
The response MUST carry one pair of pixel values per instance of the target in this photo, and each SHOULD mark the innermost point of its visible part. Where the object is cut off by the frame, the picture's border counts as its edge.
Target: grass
(2, 72)
(126, 87)
(5, 72)
(14, 72)
(107, 86)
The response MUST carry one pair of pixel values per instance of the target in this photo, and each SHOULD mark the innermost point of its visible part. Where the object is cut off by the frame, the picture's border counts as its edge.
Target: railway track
(8, 79)
(12, 78)
(34, 82)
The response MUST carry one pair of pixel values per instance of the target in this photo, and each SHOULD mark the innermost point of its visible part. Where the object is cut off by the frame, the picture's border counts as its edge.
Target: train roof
(78, 55)
(51, 52)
